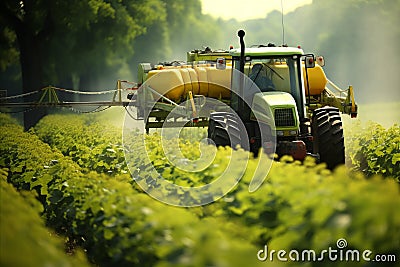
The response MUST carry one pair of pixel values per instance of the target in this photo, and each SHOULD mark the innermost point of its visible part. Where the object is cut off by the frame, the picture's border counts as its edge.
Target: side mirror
(221, 63)
(309, 61)
(320, 61)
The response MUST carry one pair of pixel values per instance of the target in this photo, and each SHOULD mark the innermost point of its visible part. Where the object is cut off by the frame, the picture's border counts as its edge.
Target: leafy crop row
(96, 145)
(89, 144)
(374, 149)
(25, 241)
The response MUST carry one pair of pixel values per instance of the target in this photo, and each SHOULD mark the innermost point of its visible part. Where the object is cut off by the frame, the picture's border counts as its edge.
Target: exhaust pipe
(241, 35)
(241, 104)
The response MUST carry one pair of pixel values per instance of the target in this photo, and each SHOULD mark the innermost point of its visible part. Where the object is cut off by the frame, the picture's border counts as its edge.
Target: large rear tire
(328, 136)
(225, 129)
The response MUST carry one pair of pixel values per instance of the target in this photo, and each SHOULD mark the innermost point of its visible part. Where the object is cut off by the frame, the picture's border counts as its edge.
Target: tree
(180, 27)
(190, 29)
(62, 40)
(32, 29)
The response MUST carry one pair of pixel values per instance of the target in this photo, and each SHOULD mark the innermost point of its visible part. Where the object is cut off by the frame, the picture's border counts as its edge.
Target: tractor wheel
(225, 130)
(328, 136)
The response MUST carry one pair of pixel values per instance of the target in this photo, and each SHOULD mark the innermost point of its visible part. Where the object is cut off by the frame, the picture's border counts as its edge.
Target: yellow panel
(168, 82)
(316, 79)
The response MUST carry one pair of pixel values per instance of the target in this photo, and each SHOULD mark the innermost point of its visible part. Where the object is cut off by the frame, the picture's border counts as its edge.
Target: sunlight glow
(250, 9)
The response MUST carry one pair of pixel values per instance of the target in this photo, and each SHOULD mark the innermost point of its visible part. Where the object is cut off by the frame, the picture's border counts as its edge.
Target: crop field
(71, 195)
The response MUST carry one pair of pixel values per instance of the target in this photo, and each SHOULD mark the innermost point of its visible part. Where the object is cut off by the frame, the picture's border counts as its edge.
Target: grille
(284, 117)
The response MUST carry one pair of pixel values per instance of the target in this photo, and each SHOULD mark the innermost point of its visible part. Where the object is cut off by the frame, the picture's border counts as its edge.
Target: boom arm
(345, 101)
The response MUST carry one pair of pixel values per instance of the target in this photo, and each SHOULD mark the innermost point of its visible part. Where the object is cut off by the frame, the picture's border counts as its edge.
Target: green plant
(25, 241)
(299, 206)
(92, 145)
(374, 149)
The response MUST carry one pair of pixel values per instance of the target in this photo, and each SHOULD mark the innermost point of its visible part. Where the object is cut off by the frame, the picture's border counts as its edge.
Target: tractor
(278, 100)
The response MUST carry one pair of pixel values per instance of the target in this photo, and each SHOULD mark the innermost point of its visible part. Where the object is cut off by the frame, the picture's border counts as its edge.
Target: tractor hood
(276, 98)
(280, 106)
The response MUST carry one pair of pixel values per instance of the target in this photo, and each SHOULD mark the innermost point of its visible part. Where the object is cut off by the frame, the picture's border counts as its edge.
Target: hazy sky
(248, 9)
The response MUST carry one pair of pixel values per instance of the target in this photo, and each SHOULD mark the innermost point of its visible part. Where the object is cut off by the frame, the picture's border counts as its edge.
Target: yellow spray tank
(176, 82)
(317, 80)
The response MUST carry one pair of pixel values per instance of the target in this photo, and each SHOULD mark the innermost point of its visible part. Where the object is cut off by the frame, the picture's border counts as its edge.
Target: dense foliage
(299, 206)
(374, 149)
(25, 241)
(85, 141)
(90, 44)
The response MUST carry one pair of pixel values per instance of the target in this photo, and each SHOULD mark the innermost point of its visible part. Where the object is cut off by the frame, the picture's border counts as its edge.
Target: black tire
(328, 136)
(224, 129)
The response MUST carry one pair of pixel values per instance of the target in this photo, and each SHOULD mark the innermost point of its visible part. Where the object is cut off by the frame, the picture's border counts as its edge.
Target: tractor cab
(276, 72)
(268, 97)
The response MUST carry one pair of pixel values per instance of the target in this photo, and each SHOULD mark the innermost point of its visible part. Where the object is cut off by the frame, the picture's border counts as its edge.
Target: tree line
(89, 44)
